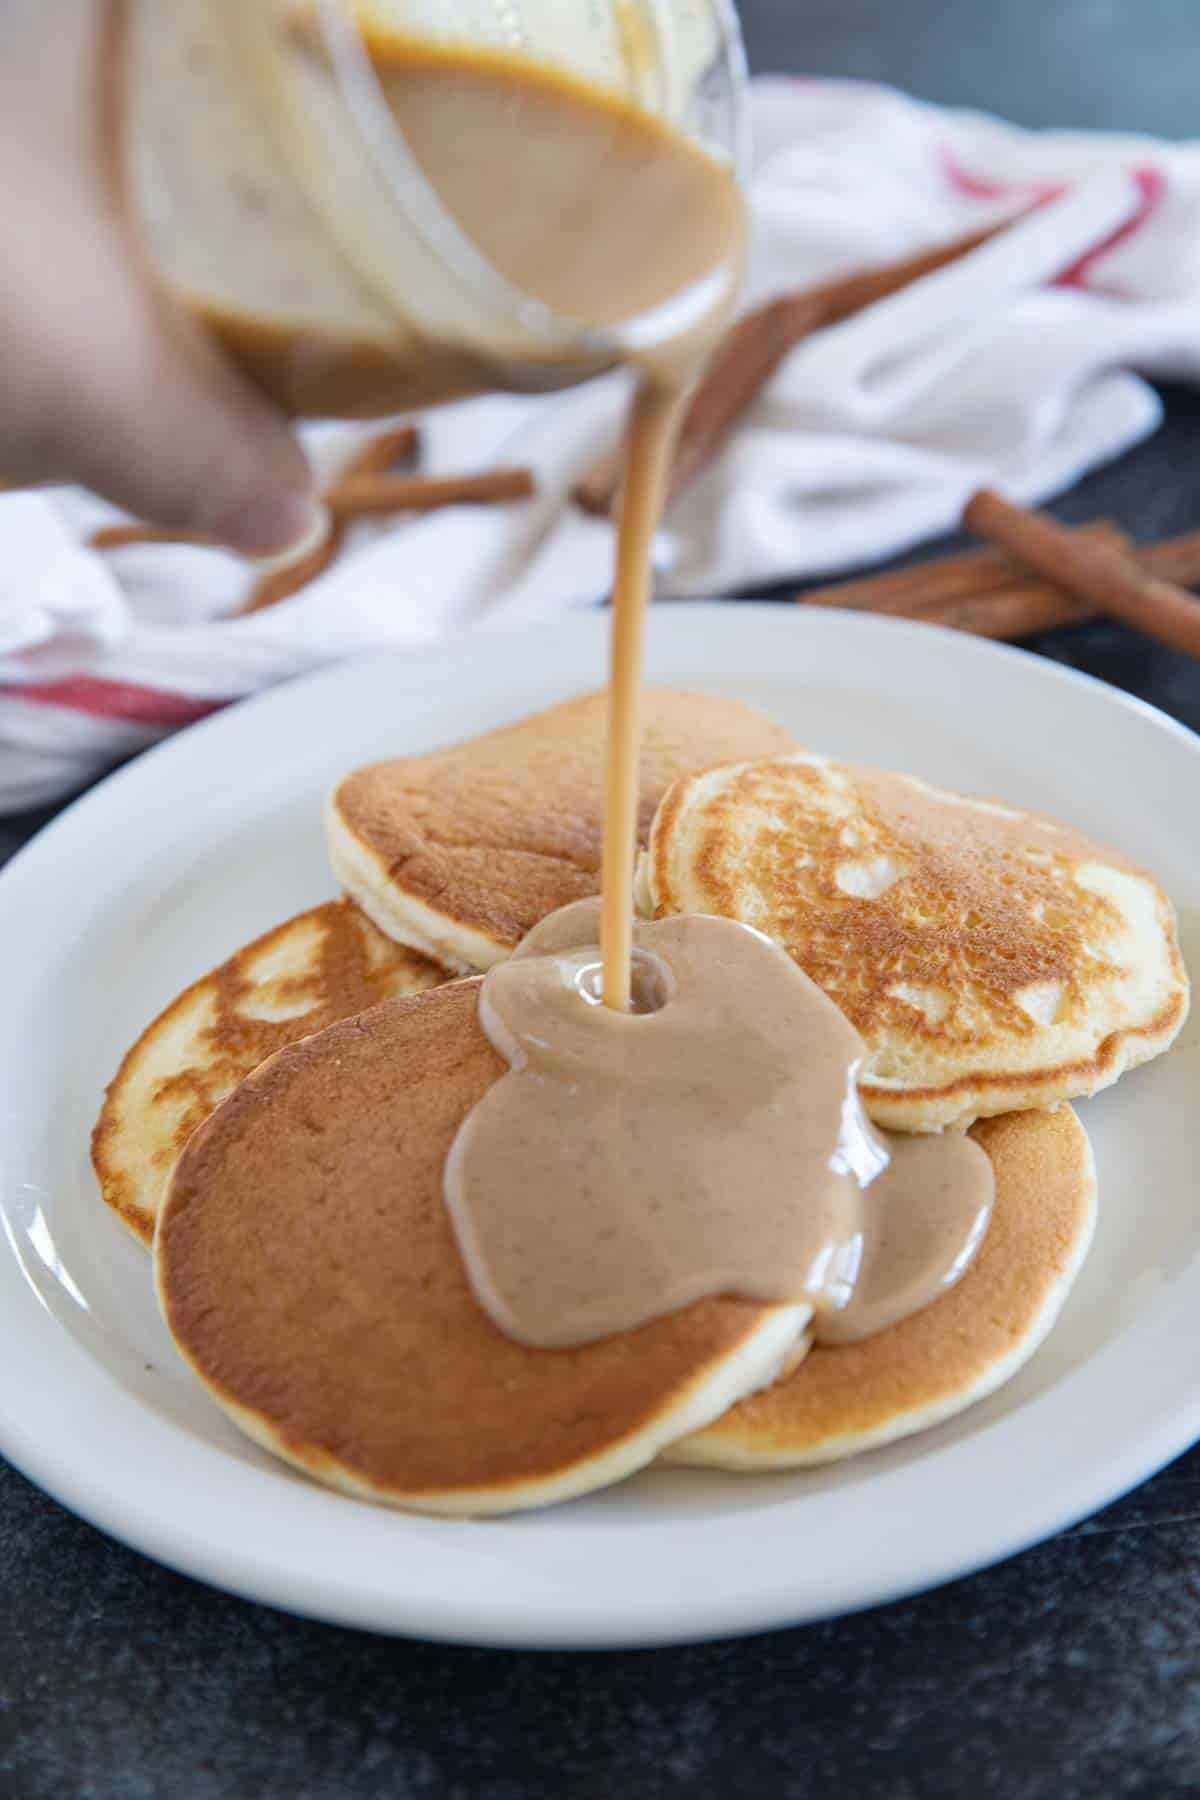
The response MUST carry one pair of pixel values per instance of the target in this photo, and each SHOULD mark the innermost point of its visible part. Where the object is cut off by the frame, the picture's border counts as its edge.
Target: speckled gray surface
(1071, 1672)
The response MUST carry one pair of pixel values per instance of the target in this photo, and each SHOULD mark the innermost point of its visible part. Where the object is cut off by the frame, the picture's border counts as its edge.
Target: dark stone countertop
(1072, 1671)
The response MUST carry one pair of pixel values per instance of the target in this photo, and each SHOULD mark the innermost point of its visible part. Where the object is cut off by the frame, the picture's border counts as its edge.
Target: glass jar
(383, 204)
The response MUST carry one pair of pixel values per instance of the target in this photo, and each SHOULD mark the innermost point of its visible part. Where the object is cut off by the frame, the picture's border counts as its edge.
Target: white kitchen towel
(1021, 366)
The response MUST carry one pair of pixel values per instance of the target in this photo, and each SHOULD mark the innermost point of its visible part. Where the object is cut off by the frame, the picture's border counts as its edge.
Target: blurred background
(1126, 65)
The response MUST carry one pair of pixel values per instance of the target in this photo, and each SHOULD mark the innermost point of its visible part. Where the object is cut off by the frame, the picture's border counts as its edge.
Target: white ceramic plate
(199, 845)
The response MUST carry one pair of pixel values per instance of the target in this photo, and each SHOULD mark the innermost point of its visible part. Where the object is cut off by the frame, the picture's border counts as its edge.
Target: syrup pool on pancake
(319, 1296)
(709, 1140)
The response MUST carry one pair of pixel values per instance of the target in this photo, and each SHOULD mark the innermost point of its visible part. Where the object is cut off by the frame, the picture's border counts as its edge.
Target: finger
(164, 427)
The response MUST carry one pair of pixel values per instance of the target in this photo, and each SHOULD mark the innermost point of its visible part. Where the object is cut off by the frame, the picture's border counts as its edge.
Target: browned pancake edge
(309, 1274)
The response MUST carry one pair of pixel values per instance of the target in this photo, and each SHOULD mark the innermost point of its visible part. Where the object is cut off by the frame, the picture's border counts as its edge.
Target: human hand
(104, 380)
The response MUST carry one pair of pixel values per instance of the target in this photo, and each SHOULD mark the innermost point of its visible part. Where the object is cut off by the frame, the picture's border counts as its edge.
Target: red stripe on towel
(980, 187)
(1151, 186)
(126, 700)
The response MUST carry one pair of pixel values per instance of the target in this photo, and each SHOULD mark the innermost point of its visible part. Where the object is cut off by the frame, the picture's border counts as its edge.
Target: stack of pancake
(279, 1132)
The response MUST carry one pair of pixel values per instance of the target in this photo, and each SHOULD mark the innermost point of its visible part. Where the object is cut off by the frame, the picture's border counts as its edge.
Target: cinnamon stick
(401, 443)
(360, 492)
(281, 584)
(991, 594)
(1018, 612)
(1174, 559)
(1112, 580)
(945, 580)
(117, 537)
(361, 496)
(754, 349)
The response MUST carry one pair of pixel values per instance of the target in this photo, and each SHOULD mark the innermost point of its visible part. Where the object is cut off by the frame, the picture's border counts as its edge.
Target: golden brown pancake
(460, 852)
(323, 965)
(992, 959)
(309, 1274)
(962, 1347)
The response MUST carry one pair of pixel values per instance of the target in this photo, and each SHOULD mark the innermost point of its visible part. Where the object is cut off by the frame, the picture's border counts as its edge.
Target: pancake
(323, 965)
(460, 852)
(308, 1272)
(954, 1352)
(992, 959)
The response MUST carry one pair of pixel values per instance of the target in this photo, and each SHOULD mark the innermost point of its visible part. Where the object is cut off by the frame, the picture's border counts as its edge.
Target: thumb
(159, 422)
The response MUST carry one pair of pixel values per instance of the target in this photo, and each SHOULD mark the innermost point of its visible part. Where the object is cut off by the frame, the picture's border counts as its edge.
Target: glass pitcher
(353, 193)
